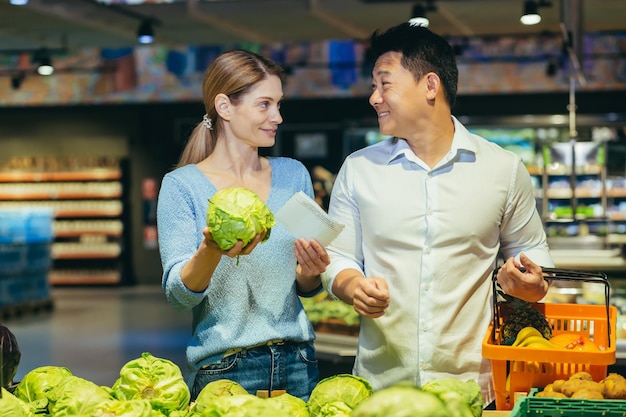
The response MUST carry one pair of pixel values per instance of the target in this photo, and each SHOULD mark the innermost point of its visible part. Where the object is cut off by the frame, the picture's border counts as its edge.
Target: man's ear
(433, 84)
(222, 106)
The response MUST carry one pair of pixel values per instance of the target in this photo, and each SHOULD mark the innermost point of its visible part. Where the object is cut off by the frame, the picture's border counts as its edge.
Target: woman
(248, 323)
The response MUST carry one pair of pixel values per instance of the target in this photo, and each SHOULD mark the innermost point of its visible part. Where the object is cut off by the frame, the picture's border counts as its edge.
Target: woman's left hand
(312, 257)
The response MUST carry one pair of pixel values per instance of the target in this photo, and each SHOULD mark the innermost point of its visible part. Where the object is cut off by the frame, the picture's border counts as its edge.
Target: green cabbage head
(401, 400)
(463, 398)
(36, 386)
(76, 396)
(237, 213)
(347, 388)
(125, 408)
(225, 405)
(157, 380)
(296, 406)
(335, 409)
(11, 406)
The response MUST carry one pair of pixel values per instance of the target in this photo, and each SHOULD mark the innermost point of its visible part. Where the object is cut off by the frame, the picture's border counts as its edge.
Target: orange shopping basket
(515, 370)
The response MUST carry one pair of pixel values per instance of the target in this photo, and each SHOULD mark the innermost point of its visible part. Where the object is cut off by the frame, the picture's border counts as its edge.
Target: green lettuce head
(11, 406)
(37, 383)
(401, 400)
(237, 214)
(296, 407)
(224, 405)
(76, 396)
(463, 398)
(125, 408)
(157, 380)
(342, 388)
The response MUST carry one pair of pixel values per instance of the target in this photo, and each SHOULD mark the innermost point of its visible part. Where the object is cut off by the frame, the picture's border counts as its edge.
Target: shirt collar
(462, 143)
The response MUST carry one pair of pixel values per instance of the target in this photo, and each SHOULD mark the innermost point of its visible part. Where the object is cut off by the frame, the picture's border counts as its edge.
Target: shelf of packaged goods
(58, 196)
(78, 228)
(85, 251)
(87, 175)
(81, 277)
(82, 232)
(60, 191)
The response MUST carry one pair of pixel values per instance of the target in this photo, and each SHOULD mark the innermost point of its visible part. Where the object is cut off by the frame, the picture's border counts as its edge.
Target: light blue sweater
(247, 303)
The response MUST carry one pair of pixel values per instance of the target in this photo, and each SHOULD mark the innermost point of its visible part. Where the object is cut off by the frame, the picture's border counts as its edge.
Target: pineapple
(518, 314)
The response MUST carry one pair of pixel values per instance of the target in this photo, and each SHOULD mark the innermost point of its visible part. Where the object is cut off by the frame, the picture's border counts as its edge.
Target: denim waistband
(274, 342)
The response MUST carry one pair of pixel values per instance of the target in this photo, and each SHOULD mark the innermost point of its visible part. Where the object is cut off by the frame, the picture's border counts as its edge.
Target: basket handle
(563, 275)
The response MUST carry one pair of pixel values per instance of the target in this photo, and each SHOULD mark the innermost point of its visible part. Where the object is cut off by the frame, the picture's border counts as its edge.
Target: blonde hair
(232, 73)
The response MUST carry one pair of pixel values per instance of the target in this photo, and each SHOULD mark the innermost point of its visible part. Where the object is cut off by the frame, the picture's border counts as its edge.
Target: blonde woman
(248, 323)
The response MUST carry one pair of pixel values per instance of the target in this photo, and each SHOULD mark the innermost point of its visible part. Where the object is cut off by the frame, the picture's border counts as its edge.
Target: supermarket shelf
(69, 277)
(89, 175)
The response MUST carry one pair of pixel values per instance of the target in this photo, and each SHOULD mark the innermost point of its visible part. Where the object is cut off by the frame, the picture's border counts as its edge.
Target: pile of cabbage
(154, 387)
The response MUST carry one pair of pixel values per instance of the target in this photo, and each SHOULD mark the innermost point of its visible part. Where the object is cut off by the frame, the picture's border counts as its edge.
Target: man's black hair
(422, 50)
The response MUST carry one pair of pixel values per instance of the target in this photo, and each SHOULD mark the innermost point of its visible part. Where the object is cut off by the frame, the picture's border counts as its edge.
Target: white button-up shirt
(434, 235)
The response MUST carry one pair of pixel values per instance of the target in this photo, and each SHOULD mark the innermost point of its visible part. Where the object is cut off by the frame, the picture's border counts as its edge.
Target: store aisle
(95, 331)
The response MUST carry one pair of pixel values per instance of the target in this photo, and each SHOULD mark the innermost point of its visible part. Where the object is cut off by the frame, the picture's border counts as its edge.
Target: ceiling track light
(419, 11)
(18, 2)
(145, 33)
(44, 61)
(530, 14)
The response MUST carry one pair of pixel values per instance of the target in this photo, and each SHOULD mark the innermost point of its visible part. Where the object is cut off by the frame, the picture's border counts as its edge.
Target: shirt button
(427, 287)
(426, 251)
(429, 212)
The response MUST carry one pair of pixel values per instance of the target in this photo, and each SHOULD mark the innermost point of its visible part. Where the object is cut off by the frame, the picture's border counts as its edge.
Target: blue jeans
(292, 367)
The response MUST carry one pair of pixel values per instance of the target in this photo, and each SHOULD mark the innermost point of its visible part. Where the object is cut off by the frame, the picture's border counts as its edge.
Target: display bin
(566, 407)
(515, 370)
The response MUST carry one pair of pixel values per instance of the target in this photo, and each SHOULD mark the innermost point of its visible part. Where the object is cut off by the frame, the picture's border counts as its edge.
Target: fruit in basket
(575, 341)
(519, 314)
(532, 338)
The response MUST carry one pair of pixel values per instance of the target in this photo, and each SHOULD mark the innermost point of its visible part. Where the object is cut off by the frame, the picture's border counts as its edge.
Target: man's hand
(529, 285)
(371, 297)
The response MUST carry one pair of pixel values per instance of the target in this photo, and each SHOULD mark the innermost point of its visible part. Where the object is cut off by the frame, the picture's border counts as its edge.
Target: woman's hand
(238, 249)
(312, 261)
(312, 257)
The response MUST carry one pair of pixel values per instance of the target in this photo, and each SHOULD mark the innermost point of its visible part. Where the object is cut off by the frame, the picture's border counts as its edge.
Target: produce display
(582, 386)
(446, 397)
(149, 386)
(237, 213)
(330, 315)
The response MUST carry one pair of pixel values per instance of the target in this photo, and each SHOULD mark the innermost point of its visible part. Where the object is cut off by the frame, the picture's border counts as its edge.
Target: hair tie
(208, 123)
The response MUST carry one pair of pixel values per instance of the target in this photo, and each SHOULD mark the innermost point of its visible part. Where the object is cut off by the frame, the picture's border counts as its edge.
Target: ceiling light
(531, 15)
(145, 34)
(418, 16)
(18, 2)
(44, 62)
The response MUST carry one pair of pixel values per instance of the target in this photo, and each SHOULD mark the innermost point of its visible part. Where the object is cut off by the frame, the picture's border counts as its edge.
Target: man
(427, 214)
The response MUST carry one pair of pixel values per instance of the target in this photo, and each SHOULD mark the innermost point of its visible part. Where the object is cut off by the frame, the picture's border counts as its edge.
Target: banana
(537, 342)
(525, 333)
